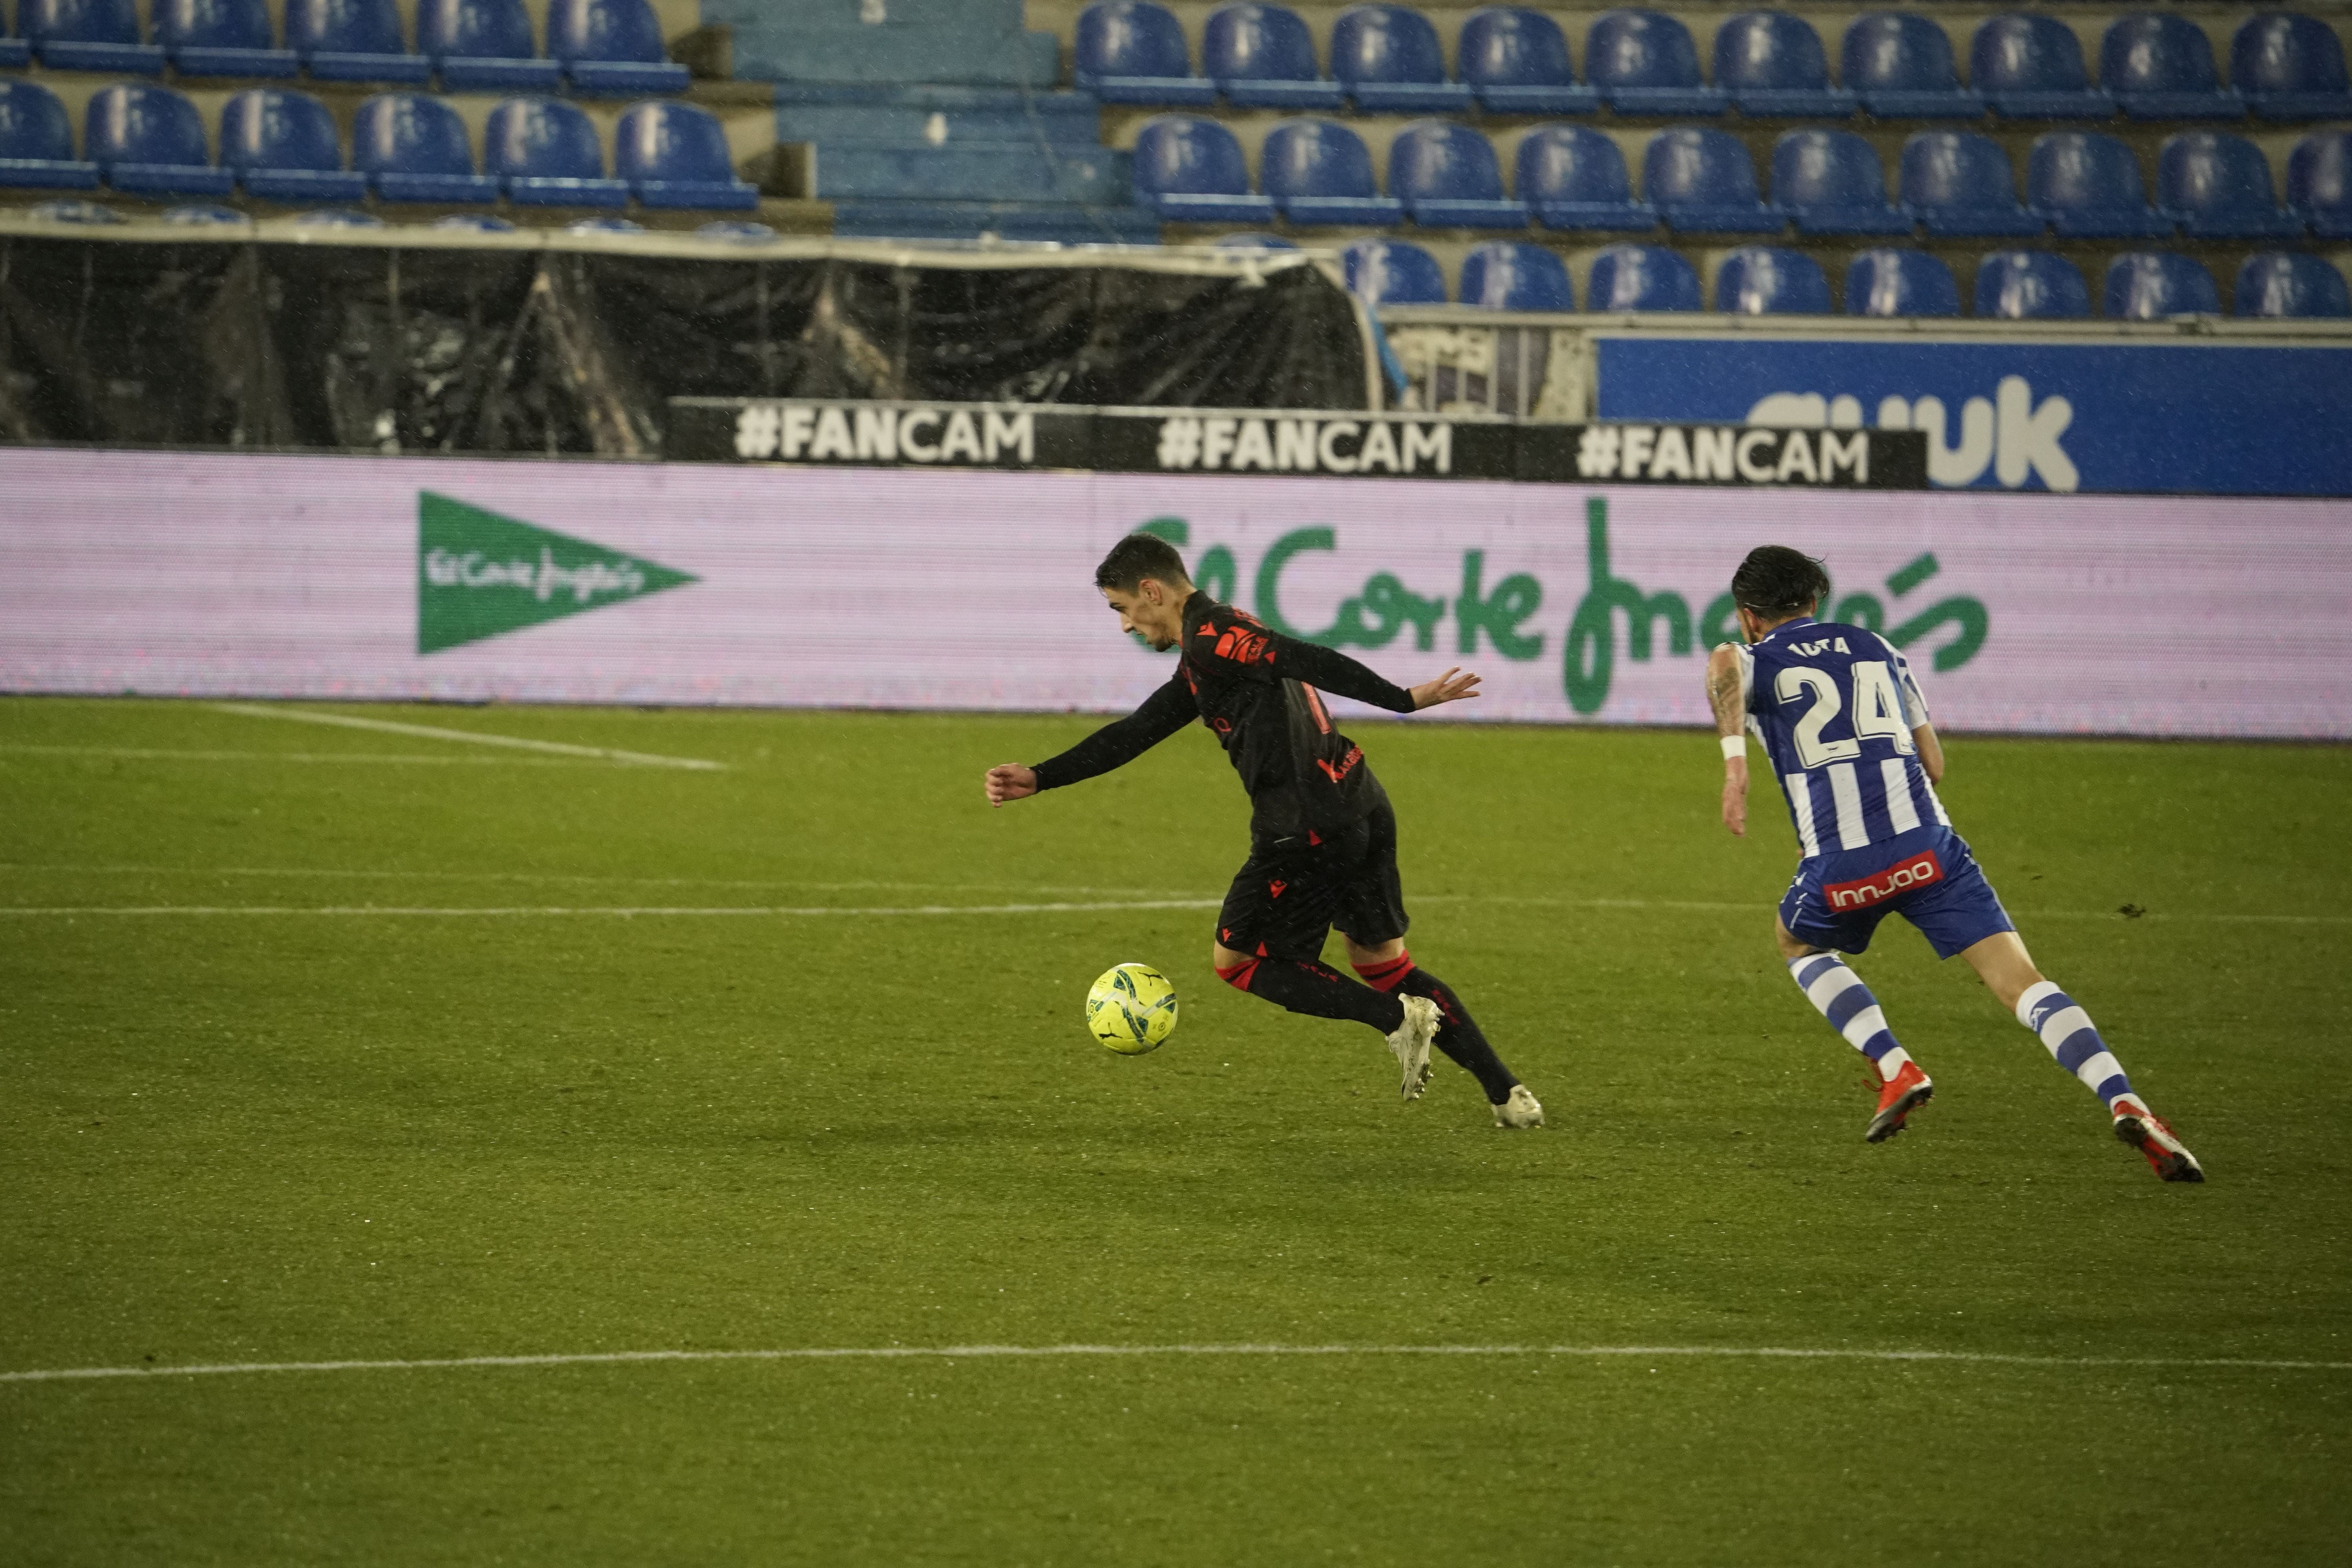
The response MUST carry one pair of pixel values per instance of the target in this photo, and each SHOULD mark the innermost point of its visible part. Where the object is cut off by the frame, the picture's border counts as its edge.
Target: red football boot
(2167, 1155)
(1906, 1092)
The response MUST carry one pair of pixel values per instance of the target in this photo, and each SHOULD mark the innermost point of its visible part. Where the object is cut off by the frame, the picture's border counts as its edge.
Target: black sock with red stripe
(1315, 989)
(1459, 1037)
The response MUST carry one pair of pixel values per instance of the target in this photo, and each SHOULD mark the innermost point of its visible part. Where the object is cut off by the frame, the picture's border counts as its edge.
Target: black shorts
(1291, 891)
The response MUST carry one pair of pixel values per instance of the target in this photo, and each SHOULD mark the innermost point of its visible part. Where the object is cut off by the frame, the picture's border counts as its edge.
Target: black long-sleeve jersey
(1258, 691)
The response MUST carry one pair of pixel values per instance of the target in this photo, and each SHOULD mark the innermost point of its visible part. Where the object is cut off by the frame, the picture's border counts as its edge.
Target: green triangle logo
(479, 574)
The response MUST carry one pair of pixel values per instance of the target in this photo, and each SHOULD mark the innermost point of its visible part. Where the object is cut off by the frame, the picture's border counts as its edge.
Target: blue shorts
(1927, 876)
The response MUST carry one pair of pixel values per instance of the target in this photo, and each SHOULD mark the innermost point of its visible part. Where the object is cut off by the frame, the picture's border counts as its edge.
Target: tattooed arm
(1726, 694)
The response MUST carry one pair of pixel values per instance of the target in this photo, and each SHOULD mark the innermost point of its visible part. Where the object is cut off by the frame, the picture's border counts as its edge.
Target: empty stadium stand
(1889, 151)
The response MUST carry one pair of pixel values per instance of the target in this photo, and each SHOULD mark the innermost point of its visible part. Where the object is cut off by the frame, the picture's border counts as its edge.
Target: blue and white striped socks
(2066, 1029)
(1842, 997)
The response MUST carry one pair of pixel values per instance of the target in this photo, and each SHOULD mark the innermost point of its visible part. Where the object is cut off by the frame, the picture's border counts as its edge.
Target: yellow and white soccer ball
(1131, 1009)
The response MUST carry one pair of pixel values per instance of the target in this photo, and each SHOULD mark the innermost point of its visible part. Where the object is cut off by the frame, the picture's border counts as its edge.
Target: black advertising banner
(1128, 440)
(390, 343)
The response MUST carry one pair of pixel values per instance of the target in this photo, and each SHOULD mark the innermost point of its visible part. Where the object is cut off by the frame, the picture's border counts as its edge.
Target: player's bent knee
(1235, 969)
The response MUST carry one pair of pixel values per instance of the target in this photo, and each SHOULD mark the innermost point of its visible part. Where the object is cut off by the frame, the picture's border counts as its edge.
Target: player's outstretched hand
(1011, 780)
(1735, 797)
(1452, 687)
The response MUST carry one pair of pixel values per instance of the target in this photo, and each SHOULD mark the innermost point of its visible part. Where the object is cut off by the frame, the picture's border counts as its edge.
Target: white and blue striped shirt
(1833, 706)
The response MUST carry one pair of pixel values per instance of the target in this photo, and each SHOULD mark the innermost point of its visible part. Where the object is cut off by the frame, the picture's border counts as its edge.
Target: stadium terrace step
(1068, 224)
(937, 116)
(768, 51)
(972, 172)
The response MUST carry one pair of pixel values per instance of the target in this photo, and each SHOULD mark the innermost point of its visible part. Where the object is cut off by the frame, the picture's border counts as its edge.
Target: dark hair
(1138, 556)
(1777, 580)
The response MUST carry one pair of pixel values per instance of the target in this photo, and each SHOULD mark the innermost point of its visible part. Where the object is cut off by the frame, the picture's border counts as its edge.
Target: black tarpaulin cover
(428, 342)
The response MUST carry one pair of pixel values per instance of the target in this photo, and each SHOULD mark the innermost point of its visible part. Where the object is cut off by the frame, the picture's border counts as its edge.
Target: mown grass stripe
(992, 1351)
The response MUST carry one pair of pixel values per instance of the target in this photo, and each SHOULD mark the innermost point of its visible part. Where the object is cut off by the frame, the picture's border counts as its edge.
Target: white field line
(568, 878)
(158, 754)
(433, 732)
(804, 912)
(986, 1353)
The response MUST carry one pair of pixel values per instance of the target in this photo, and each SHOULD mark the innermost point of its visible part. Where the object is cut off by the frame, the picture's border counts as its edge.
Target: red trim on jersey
(1315, 705)
(1389, 976)
(1240, 976)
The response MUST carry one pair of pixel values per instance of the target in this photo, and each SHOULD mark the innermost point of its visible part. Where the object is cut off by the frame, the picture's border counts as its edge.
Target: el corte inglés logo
(480, 574)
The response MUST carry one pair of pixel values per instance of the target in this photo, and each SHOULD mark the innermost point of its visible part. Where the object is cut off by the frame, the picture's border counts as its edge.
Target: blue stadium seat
(1900, 283)
(473, 222)
(1319, 172)
(2152, 285)
(1573, 178)
(2289, 68)
(1132, 51)
(36, 142)
(612, 46)
(220, 38)
(2319, 183)
(1767, 280)
(1831, 182)
(2158, 66)
(352, 40)
(1641, 278)
(2217, 186)
(1643, 62)
(87, 36)
(415, 149)
(73, 210)
(2030, 286)
(1252, 242)
(204, 215)
(337, 217)
(482, 43)
(1959, 183)
(546, 154)
(1770, 64)
(2279, 284)
(15, 53)
(1515, 60)
(1512, 275)
(675, 155)
(150, 140)
(1703, 182)
(2087, 185)
(1392, 272)
(1262, 57)
(1189, 170)
(2029, 67)
(1446, 177)
(1389, 62)
(1901, 67)
(282, 147)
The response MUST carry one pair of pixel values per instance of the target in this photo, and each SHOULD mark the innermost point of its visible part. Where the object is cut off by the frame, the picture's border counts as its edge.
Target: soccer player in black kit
(1323, 838)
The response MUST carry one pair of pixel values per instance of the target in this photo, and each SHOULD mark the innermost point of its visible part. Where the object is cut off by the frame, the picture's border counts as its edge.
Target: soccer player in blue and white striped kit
(1838, 713)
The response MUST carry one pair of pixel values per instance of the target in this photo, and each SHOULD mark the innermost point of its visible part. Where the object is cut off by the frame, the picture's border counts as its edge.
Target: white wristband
(1735, 748)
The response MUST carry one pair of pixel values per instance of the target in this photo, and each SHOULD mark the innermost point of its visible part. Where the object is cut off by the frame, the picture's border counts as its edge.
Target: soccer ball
(1131, 1009)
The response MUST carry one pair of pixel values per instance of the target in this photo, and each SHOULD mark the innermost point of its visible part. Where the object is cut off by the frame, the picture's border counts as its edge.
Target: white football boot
(1411, 1043)
(1522, 1109)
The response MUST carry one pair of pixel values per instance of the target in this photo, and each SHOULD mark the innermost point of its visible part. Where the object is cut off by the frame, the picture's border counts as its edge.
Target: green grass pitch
(295, 1137)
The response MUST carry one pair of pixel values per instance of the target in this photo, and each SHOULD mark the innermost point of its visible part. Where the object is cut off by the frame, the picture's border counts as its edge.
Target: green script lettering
(1499, 614)
(1592, 651)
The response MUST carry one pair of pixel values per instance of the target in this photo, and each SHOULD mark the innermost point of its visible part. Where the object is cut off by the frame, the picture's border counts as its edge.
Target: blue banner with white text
(2156, 418)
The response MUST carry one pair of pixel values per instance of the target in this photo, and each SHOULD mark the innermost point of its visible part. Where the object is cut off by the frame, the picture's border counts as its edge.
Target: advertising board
(2156, 419)
(355, 577)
